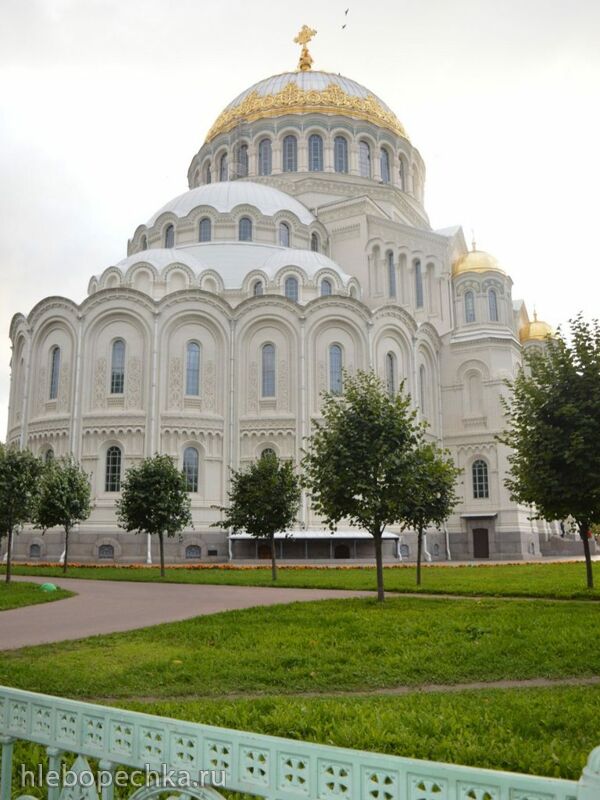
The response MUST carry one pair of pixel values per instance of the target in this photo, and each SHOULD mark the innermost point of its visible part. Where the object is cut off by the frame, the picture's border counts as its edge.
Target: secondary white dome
(226, 195)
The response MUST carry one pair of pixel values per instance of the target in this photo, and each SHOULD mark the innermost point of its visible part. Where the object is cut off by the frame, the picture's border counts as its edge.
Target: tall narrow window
(258, 289)
(264, 157)
(390, 373)
(314, 242)
(384, 165)
(364, 159)
(290, 154)
(245, 229)
(326, 287)
(192, 369)
(49, 455)
(340, 154)
(242, 161)
(423, 389)
(315, 153)
(170, 236)
(117, 368)
(284, 234)
(207, 174)
(291, 289)
(481, 487)
(112, 474)
(54, 372)
(205, 232)
(268, 370)
(391, 269)
(469, 307)
(144, 243)
(190, 468)
(418, 285)
(401, 178)
(493, 305)
(224, 168)
(335, 369)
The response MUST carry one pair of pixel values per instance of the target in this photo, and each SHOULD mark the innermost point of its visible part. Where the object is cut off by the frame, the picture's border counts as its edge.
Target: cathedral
(301, 249)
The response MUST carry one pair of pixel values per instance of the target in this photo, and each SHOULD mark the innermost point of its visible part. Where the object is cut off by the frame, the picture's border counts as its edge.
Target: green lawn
(14, 595)
(561, 580)
(319, 647)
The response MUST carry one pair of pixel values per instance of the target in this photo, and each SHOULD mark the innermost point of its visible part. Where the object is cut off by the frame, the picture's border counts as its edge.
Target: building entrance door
(481, 543)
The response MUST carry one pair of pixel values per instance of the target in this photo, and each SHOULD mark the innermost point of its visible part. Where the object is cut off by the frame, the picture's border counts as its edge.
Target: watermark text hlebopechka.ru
(165, 777)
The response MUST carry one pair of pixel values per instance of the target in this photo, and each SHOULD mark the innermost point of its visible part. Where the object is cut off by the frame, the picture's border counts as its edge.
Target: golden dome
(535, 331)
(476, 261)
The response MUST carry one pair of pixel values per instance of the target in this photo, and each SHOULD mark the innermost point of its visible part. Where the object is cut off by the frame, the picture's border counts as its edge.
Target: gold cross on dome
(303, 38)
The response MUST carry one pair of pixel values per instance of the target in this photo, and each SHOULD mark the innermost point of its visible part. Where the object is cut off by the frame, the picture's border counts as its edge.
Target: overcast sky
(103, 103)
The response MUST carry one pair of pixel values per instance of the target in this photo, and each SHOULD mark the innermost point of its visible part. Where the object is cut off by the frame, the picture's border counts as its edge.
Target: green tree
(359, 459)
(263, 500)
(155, 500)
(432, 495)
(553, 414)
(19, 475)
(63, 499)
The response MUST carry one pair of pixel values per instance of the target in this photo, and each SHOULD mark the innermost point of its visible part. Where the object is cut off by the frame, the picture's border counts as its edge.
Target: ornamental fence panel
(94, 752)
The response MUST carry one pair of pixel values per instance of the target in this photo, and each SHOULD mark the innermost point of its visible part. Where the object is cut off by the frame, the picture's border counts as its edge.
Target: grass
(565, 580)
(320, 647)
(15, 595)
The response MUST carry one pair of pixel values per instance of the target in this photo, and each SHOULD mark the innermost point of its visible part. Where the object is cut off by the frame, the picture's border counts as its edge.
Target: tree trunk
(273, 560)
(66, 561)
(379, 563)
(162, 554)
(9, 554)
(583, 532)
(419, 552)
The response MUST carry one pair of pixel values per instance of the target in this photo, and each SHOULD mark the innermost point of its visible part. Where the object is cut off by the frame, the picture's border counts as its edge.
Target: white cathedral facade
(301, 248)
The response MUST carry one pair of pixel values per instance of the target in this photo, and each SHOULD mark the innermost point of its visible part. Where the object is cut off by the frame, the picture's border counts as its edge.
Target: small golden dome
(476, 261)
(535, 331)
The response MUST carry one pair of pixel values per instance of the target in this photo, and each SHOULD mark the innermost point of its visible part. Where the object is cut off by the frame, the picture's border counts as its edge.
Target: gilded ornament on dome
(303, 38)
(294, 100)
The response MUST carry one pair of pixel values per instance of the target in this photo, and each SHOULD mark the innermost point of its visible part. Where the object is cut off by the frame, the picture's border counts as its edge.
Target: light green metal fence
(199, 761)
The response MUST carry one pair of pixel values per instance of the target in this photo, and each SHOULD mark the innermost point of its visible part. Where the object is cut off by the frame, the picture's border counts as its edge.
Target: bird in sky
(345, 14)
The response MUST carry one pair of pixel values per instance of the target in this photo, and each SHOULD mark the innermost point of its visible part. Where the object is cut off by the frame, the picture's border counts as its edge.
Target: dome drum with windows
(301, 251)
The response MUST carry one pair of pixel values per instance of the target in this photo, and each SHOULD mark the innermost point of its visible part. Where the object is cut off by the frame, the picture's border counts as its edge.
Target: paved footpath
(110, 606)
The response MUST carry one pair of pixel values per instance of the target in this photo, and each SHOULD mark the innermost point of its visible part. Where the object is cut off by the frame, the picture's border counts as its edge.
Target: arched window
(423, 389)
(245, 229)
(35, 551)
(291, 289)
(112, 473)
(268, 370)
(224, 168)
(54, 372)
(284, 234)
(418, 285)
(481, 486)
(193, 552)
(170, 236)
(340, 154)
(258, 289)
(144, 243)
(205, 230)
(49, 455)
(469, 307)
(335, 369)
(106, 551)
(207, 173)
(493, 305)
(391, 269)
(384, 165)
(242, 161)
(192, 369)
(190, 468)
(117, 367)
(268, 452)
(315, 153)
(326, 287)
(401, 177)
(364, 159)
(264, 157)
(390, 373)
(290, 154)
(314, 242)
(353, 292)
